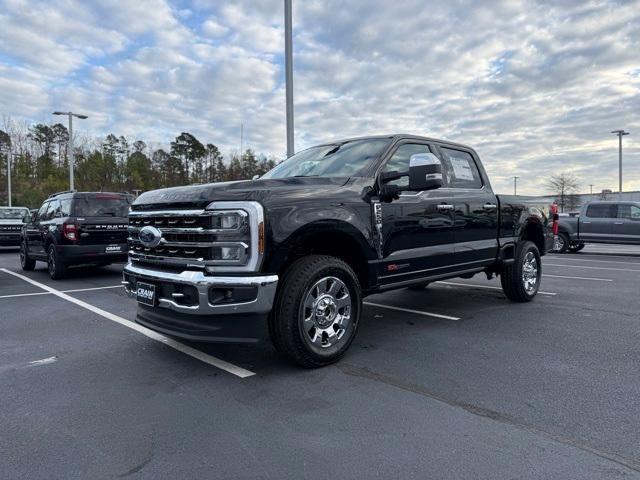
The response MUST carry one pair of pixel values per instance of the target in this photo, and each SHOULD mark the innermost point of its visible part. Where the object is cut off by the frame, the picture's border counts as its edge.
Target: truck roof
(398, 136)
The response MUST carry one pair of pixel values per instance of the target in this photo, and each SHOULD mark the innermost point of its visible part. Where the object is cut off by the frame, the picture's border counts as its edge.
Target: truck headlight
(238, 228)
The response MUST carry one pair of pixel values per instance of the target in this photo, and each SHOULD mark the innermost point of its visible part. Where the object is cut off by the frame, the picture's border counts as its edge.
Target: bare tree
(564, 186)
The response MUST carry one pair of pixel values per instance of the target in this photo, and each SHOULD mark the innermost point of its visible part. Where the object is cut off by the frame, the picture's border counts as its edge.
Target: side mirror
(32, 218)
(425, 172)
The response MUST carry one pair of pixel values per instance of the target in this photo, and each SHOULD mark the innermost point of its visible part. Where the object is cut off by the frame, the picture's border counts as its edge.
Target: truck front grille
(188, 239)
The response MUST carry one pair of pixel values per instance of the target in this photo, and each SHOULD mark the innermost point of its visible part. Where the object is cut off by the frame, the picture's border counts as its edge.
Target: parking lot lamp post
(288, 65)
(515, 185)
(9, 175)
(72, 158)
(620, 134)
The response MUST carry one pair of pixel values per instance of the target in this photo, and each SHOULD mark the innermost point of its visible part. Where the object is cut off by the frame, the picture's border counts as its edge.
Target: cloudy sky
(536, 87)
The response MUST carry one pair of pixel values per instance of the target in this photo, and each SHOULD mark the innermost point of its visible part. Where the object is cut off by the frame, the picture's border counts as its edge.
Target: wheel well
(533, 232)
(336, 244)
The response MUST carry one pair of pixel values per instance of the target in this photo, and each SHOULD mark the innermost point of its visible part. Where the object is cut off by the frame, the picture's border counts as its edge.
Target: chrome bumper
(266, 290)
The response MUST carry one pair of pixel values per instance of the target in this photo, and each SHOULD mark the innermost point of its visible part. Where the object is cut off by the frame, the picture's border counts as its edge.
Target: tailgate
(102, 231)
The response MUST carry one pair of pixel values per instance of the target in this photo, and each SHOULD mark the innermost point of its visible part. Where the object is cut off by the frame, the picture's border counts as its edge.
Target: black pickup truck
(295, 251)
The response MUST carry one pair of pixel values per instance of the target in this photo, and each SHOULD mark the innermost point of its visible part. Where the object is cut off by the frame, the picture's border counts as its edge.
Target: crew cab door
(596, 225)
(626, 227)
(476, 209)
(417, 228)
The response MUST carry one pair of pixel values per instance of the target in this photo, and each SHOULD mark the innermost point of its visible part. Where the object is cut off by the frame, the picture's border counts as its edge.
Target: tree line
(40, 163)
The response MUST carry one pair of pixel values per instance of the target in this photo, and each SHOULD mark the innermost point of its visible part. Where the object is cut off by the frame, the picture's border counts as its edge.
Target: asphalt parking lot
(451, 382)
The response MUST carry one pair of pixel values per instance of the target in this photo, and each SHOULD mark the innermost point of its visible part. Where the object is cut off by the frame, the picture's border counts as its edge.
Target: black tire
(562, 244)
(512, 276)
(325, 311)
(576, 248)
(418, 286)
(57, 269)
(27, 263)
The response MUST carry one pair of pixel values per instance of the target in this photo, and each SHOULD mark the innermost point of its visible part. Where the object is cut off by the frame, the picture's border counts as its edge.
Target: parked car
(76, 228)
(600, 222)
(295, 251)
(11, 221)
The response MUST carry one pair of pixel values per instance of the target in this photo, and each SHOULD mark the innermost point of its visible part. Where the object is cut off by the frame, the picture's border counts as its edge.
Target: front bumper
(199, 307)
(9, 239)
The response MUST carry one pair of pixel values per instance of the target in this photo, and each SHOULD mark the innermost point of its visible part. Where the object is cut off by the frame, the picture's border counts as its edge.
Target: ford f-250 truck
(294, 252)
(600, 222)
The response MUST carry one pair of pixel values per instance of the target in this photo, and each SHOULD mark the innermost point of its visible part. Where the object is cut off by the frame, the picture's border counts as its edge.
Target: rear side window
(629, 211)
(460, 169)
(602, 210)
(65, 207)
(101, 206)
(51, 210)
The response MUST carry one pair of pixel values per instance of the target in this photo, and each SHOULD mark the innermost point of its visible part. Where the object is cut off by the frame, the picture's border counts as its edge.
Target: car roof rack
(60, 193)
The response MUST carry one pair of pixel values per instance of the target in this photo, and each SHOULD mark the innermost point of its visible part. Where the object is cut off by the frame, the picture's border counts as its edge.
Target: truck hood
(199, 196)
(11, 221)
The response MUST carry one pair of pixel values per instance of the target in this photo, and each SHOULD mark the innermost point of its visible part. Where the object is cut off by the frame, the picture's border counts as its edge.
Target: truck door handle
(586, 222)
(618, 223)
(489, 206)
(445, 207)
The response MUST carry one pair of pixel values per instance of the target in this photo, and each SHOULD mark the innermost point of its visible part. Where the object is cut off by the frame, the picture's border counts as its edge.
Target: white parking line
(63, 291)
(597, 261)
(408, 310)
(192, 352)
(592, 268)
(578, 278)
(473, 285)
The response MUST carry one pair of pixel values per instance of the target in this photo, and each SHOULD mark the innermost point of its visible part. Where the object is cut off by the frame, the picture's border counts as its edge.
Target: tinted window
(65, 207)
(602, 210)
(340, 160)
(51, 210)
(460, 169)
(101, 206)
(42, 211)
(399, 161)
(629, 211)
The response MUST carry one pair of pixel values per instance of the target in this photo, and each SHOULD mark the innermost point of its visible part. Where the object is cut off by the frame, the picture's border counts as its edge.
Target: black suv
(76, 228)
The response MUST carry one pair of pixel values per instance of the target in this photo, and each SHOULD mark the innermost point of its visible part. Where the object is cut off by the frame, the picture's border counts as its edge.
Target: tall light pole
(288, 65)
(9, 155)
(620, 134)
(515, 185)
(72, 160)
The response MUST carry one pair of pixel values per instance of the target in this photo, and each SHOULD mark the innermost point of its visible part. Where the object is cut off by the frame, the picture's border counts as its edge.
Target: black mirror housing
(425, 172)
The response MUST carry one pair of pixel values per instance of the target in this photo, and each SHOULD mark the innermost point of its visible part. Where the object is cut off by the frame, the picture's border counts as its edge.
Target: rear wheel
(521, 280)
(27, 263)
(56, 268)
(317, 311)
(576, 248)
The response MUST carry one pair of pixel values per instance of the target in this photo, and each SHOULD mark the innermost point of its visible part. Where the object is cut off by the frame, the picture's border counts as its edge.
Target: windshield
(338, 160)
(13, 213)
(101, 206)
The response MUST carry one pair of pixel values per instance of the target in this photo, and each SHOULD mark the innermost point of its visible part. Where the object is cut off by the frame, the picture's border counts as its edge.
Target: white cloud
(535, 87)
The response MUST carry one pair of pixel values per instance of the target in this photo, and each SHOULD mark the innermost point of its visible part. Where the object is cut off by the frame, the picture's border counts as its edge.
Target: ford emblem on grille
(150, 236)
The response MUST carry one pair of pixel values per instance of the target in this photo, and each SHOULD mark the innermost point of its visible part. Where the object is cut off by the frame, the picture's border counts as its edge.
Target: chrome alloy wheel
(326, 312)
(558, 244)
(530, 273)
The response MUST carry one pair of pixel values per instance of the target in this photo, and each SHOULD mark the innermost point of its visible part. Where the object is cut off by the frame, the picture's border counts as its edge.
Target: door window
(629, 211)
(51, 210)
(42, 211)
(399, 161)
(65, 207)
(602, 210)
(460, 169)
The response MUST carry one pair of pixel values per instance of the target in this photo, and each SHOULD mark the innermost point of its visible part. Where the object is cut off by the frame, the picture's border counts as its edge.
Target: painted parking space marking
(170, 342)
(578, 278)
(572, 259)
(408, 310)
(593, 268)
(62, 291)
(490, 287)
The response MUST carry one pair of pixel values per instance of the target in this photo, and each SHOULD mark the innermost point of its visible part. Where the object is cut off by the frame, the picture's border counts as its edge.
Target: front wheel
(521, 280)
(27, 263)
(317, 311)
